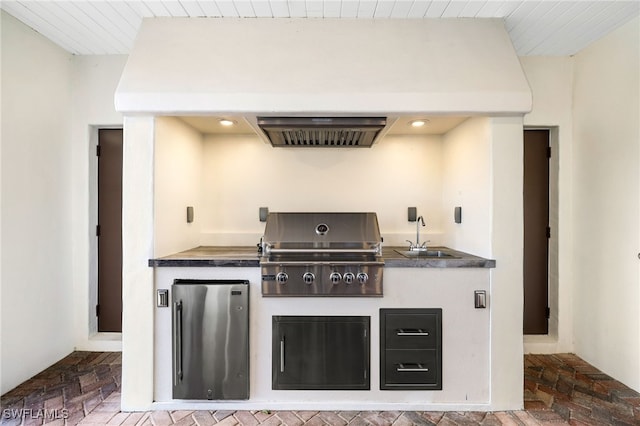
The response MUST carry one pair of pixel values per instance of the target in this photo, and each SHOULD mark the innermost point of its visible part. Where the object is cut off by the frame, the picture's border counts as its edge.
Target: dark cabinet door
(329, 353)
(536, 232)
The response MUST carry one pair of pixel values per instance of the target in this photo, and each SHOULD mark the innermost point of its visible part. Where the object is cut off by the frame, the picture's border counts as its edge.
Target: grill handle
(411, 332)
(320, 250)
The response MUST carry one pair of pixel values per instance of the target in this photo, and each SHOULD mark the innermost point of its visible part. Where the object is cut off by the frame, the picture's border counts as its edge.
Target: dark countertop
(393, 259)
(210, 256)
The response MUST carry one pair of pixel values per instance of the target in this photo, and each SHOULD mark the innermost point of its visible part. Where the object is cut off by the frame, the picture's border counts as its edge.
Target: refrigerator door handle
(177, 344)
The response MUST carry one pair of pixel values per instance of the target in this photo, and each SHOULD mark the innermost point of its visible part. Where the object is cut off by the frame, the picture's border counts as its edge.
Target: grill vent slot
(346, 137)
(322, 131)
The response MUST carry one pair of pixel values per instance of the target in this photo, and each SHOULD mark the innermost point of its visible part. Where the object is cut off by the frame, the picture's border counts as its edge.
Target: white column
(137, 276)
(506, 303)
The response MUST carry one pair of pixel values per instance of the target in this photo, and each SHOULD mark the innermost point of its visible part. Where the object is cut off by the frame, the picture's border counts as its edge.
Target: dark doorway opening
(109, 230)
(537, 232)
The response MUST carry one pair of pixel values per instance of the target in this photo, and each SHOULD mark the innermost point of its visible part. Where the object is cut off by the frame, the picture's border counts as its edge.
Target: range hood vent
(329, 132)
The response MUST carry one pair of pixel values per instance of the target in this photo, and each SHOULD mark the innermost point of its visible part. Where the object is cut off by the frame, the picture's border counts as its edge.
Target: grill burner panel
(321, 254)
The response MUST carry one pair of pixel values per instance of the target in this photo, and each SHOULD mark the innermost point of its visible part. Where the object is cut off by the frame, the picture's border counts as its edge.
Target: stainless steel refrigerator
(210, 339)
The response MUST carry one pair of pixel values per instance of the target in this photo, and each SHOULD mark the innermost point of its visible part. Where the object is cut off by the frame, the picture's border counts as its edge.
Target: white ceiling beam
(103, 28)
(279, 8)
(436, 9)
(472, 8)
(331, 9)
(140, 9)
(315, 8)
(297, 8)
(383, 9)
(227, 9)
(127, 13)
(453, 9)
(536, 27)
(349, 8)
(244, 8)
(175, 8)
(418, 9)
(401, 9)
(192, 8)
(366, 9)
(262, 8)
(210, 8)
(157, 8)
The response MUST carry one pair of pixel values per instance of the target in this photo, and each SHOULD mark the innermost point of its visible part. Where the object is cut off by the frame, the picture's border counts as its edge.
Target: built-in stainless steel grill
(321, 254)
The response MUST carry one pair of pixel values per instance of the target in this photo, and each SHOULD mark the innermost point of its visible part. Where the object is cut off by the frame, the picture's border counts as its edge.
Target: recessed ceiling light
(419, 123)
(226, 122)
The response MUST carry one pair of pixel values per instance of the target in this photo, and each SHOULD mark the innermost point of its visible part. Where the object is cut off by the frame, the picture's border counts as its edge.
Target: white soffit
(363, 66)
(537, 28)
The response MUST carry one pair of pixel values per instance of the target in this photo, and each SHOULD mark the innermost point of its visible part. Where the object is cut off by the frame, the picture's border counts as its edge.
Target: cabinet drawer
(412, 330)
(412, 369)
(411, 349)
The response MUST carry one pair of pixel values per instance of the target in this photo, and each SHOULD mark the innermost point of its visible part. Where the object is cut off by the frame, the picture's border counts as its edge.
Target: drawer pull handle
(411, 332)
(414, 367)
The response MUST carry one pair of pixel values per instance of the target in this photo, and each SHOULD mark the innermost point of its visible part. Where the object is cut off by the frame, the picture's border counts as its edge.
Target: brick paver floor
(84, 388)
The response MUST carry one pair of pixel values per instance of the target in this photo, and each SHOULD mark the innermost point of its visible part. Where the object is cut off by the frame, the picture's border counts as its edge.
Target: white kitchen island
(465, 334)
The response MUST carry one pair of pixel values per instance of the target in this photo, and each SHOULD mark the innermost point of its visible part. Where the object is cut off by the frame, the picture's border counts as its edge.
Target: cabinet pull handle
(411, 332)
(418, 367)
(177, 343)
(282, 354)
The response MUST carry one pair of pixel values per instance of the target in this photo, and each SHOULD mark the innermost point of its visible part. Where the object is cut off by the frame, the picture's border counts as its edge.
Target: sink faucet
(417, 246)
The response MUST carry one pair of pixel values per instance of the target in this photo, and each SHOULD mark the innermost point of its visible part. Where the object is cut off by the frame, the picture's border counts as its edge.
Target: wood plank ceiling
(556, 28)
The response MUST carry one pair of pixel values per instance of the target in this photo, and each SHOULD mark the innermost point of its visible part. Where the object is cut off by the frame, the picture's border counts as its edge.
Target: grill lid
(322, 232)
(347, 132)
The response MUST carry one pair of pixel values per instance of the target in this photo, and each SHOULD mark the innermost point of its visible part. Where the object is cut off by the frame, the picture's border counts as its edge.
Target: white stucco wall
(37, 219)
(466, 183)
(551, 81)
(94, 82)
(507, 369)
(137, 277)
(242, 174)
(178, 183)
(483, 171)
(606, 197)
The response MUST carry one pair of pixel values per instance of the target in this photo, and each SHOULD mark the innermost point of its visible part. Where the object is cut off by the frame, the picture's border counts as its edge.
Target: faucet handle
(411, 245)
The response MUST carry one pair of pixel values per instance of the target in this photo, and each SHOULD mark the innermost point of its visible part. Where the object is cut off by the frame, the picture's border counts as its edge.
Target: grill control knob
(349, 277)
(335, 277)
(282, 277)
(363, 278)
(308, 278)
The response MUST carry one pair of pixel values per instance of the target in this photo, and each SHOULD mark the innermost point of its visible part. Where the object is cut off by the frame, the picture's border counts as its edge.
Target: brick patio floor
(84, 388)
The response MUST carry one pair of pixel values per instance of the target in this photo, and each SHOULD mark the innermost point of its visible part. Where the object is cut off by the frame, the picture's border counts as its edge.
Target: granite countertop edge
(247, 257)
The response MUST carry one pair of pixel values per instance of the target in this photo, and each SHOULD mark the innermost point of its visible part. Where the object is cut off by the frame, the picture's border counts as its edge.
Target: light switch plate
(162, 298)
(457, 214)
(480, 299)
(263, 213)
(190, 214)
(412, 214)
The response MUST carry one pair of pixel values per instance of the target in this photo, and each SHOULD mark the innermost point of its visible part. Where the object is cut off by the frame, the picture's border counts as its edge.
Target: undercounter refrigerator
(210, 339)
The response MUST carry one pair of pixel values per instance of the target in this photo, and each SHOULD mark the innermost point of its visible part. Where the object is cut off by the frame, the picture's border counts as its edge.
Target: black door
(536, 231)
(109, 309)
(320, 352)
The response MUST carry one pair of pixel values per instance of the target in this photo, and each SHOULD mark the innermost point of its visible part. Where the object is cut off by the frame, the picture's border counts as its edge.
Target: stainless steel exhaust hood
(329, 132)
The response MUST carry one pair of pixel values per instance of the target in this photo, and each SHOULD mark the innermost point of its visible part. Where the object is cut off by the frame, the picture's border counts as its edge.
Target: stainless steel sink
(427, 254)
